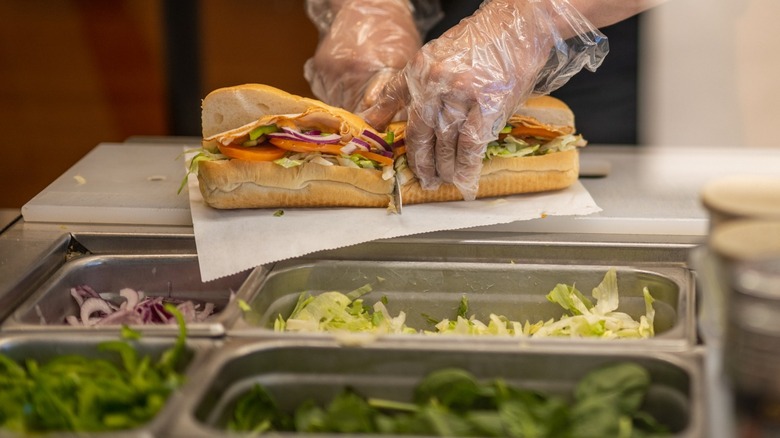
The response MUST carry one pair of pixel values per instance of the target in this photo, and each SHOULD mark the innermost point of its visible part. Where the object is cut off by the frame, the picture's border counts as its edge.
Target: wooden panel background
(74, 73)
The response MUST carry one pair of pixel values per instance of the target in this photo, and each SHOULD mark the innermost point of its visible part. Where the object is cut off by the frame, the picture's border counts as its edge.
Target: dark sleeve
(453, 11)
(605, 102)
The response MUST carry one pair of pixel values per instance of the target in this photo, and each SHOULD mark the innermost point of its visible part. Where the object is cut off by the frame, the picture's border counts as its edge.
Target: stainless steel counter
(649, 196)
(642, 190)
(8, 216)
(646, 193)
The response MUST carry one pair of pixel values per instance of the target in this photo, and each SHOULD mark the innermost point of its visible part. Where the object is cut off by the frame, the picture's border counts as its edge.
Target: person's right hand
(462, 87)
(360, 50)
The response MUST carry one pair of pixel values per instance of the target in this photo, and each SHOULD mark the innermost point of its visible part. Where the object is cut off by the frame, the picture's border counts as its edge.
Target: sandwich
(536, 151)
(266, 148)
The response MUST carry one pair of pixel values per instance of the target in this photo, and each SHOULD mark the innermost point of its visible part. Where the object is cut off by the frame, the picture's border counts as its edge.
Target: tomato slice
(253, 153)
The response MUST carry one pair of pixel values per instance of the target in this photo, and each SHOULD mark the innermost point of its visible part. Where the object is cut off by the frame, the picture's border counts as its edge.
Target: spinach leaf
(453, 388)
(258, 412)
(608, 402)
(80, 393)
(452, 402)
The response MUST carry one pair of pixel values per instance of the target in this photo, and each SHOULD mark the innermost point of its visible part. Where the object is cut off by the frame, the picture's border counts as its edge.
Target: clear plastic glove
(363, 44)
(462, 87)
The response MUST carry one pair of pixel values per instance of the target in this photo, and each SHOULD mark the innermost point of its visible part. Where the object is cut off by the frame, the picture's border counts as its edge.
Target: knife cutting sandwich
(266, 148)
(536, 151)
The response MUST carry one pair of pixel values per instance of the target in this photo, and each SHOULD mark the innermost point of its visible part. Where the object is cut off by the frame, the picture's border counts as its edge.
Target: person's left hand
(368, 42)
(462, 87)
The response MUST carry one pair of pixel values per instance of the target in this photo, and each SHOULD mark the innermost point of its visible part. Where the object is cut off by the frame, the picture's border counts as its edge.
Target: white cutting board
(117, 183)
(647, 191)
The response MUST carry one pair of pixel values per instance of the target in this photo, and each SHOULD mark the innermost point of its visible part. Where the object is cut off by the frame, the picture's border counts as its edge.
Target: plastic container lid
(747, 240)
(742, 196)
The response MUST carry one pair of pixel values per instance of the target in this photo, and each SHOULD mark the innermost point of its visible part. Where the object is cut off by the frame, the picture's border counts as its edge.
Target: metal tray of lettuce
(168, 275)
(317, 369)
(428, 289)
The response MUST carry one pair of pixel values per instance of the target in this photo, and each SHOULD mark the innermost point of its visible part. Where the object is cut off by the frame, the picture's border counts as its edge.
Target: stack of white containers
(744, 297)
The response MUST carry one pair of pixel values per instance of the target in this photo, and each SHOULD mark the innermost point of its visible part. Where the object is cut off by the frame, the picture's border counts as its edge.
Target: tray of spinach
(321, 387)
(91, 384)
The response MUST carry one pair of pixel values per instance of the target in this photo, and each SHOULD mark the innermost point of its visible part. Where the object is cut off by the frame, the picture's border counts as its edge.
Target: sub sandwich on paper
(537, 151)
(266, 148)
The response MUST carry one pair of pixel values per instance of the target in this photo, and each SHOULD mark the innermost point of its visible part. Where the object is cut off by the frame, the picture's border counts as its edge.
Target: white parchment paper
(231, 241)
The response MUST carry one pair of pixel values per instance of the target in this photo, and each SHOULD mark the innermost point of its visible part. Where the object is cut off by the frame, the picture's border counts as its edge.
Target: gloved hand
(363, 44)
(462, 87)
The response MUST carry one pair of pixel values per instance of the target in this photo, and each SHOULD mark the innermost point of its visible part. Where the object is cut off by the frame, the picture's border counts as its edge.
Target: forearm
(602, 13)
(565, 16)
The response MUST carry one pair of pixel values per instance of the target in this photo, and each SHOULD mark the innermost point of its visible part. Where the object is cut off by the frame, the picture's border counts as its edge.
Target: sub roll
(536, 151)
(266, 148)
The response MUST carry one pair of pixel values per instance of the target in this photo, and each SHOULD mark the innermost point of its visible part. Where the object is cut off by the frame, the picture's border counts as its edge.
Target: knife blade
(397, 197)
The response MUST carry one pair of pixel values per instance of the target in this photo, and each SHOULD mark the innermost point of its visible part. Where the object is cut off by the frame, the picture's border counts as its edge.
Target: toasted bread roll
(230, 114)
(543, 121)
(506, 176)
(245, 184)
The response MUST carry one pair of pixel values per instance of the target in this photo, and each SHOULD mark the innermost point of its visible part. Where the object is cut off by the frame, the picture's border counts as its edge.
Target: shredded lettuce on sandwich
(290, 141)
(521, 137)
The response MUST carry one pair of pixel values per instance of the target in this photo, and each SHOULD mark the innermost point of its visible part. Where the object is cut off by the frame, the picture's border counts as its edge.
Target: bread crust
(230, 184)
(230, 113)
(228, 108)
(548, 110)
(506, 176)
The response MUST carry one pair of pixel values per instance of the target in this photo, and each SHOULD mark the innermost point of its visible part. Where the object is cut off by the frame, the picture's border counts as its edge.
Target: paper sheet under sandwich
(231, 241)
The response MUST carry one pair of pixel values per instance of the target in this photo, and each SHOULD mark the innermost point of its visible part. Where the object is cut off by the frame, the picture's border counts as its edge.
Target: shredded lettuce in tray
(336, 312)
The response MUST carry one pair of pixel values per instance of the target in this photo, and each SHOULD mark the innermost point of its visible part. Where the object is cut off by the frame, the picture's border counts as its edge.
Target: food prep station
(651, 236)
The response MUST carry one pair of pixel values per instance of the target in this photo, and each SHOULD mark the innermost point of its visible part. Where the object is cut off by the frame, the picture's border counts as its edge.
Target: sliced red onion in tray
(94, 305)
(121, 316)
(81, 293)
(208, 309)
(131, 296)
(136, 309)
(187, 310)
(311, 138)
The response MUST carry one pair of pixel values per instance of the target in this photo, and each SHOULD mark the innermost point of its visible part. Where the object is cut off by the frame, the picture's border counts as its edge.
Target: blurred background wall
(709, 73)
(75, 73)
